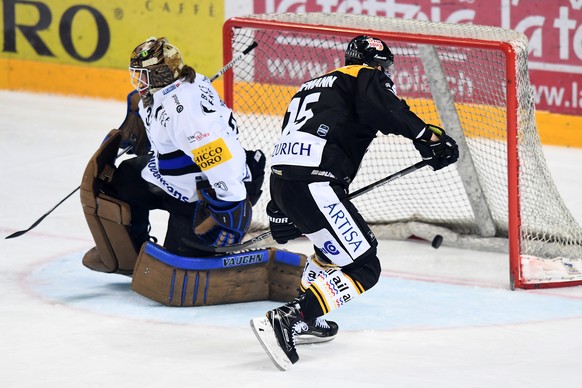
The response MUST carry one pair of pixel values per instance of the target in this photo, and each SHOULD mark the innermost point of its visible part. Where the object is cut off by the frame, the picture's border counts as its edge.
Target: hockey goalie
(187, 161)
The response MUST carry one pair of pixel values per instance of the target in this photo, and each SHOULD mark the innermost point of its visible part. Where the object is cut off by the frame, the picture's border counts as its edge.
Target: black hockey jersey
(331, 121)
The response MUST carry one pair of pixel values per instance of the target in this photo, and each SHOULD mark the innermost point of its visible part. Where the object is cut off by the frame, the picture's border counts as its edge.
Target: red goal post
(471, 80)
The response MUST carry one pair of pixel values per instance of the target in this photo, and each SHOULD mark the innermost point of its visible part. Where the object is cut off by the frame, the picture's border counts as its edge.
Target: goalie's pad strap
(108, 218)
(173, 280)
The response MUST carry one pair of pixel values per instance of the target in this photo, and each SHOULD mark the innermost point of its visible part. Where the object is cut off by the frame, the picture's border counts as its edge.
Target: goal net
(471, 80)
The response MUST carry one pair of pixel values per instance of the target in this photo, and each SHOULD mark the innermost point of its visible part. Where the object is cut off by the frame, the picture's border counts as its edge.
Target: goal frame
(513, 164)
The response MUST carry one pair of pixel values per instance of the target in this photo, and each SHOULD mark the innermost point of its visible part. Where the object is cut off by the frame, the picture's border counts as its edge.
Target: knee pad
(108, 218)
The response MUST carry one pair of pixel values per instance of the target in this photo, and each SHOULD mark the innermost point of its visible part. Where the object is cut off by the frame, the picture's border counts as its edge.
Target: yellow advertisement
(54, 38)
(212, 154)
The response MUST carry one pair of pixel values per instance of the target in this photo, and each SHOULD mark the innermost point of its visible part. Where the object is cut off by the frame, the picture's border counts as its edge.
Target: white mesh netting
(455, 82)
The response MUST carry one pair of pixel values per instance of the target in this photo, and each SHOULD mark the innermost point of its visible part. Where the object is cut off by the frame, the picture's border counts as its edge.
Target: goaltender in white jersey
(189, 163)
(191, 119)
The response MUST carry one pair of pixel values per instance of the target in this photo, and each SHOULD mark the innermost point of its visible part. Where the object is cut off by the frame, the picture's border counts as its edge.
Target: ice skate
(276, 333)
(318, 330)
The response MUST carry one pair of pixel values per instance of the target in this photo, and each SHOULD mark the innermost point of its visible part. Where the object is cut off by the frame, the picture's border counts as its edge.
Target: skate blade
(266, 336)
(311, 339)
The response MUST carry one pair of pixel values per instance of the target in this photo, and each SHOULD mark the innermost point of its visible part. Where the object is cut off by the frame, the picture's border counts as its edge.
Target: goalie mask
(153, 65)
(365, 50)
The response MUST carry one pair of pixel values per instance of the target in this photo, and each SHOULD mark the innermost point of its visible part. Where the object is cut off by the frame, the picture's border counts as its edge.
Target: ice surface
(437, 318)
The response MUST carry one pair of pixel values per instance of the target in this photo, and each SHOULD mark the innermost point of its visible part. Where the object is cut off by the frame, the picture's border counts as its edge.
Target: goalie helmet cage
(471, 80)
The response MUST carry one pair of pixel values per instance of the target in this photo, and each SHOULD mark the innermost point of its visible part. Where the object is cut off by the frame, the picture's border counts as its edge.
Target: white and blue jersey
(194, 137)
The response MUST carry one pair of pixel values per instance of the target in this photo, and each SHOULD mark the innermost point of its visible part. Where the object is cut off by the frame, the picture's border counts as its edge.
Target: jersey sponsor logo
(297, 148)
(337, 288)
(292, 148)
(179, 106)
(321, 237)
(322, 82)
(167, 186)
(329, 248)
(211, 155)
(197, 136)
(311, 276)
(335, 284)
(346, 228)
(170, 88)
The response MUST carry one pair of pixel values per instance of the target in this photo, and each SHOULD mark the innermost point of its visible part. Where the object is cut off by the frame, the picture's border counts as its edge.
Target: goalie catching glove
(282, 230)
(440, 153)
(232, 219)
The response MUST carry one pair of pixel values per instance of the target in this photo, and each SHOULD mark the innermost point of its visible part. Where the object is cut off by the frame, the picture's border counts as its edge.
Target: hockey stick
(234, 61)
(21, 232)
(254, 241)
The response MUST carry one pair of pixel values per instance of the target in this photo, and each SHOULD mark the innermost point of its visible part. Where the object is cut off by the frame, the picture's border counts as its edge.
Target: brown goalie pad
(109, 219)
(172, 280)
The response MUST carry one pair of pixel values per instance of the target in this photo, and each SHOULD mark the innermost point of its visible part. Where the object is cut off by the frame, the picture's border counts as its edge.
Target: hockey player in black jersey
(329, 124)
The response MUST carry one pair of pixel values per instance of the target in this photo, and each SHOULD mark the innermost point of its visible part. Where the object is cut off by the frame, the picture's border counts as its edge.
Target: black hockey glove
(256, 162)
(282, 230)
(438, 154)
(232, 219)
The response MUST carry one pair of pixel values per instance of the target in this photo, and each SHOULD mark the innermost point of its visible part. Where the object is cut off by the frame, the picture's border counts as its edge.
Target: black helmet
(365, 50)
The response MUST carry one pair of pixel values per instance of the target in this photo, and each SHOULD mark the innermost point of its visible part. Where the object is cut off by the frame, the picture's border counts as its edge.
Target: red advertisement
(554, 30)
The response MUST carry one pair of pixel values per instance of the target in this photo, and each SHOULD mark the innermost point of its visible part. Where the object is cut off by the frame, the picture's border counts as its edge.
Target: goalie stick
(230, 64)
(21, 232)
(253, 242)
(226, 67)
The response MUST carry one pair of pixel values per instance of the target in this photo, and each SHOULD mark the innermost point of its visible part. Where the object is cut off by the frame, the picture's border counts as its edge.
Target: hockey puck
(437, 241)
